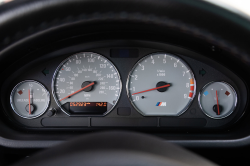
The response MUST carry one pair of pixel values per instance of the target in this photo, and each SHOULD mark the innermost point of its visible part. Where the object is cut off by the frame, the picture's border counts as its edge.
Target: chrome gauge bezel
(234, 106)
(152, 54)
(60, 65)
(12, 104)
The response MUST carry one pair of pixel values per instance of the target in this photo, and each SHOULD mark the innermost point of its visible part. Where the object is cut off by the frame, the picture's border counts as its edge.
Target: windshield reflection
(4, 1)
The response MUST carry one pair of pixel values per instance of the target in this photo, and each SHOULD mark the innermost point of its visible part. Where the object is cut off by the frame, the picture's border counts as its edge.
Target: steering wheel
(116, 148)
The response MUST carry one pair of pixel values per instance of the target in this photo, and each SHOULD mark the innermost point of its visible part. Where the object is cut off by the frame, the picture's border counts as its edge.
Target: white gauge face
(86, 84)
(161, 84)
(29, 99)
(218, 99)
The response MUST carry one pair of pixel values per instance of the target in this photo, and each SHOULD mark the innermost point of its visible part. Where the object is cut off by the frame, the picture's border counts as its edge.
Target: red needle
(217, 103)
(78, 90)
(29, 103)
(152, 89)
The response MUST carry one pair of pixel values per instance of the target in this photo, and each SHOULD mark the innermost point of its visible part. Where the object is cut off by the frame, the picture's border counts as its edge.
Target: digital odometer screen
(90, 108)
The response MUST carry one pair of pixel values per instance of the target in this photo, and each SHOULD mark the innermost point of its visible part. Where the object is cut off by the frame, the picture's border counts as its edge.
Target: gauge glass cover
(97, 74)
(29, 99)
(161, 84)
(217, 99)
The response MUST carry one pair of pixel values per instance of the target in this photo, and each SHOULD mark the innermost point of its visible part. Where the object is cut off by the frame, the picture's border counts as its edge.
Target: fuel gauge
(29, 99)
(217, 99)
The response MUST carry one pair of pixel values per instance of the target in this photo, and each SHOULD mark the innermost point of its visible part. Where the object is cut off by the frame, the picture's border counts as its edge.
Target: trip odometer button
(161, 84)
(86, 84)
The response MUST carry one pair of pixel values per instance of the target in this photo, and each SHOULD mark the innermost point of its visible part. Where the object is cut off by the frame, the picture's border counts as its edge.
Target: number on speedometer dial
(86, 84)
(161, 84)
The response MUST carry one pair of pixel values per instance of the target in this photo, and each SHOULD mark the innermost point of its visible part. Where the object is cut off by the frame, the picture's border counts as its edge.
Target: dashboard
(122, 87)
(177, 70)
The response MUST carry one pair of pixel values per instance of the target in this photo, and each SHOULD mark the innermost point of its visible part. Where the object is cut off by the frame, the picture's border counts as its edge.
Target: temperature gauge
(218, 99)
(29, 99)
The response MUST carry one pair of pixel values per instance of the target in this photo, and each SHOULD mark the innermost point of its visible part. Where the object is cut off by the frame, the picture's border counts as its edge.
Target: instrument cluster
(124, 87)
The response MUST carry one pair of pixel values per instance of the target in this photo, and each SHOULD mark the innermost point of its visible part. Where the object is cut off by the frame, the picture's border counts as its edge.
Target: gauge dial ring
(113, 71)
(191, 91)
(232, 90)
(47, 96)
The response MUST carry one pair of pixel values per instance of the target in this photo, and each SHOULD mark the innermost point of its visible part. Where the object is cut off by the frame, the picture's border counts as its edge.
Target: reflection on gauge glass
(29, 99)
(217, 99)
(86, 84)
(161, 84)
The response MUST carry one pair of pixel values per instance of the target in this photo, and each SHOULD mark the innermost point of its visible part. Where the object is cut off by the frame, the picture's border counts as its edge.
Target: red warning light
(62, 69)
(227, 93)
(20, 92)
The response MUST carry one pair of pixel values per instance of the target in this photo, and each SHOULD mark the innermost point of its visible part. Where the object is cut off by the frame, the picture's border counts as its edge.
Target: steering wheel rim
(118, 148)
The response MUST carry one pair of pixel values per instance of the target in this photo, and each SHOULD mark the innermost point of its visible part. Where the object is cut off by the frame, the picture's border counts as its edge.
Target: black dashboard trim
(10, 47)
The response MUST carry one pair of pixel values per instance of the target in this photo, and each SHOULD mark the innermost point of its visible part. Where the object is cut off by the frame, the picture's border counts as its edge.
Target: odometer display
(161, 84)
(86, 84)
(87, 108)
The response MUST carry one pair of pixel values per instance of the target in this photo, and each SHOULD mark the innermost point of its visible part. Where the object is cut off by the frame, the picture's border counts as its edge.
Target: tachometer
(161, 84)
(86, 84)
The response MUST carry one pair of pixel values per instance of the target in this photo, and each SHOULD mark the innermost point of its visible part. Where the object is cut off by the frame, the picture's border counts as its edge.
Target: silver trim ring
(191, 72)
(60, 65)
(12, 104)
(235, 104)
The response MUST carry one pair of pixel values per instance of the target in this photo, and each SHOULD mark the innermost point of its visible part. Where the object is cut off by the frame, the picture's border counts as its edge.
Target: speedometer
(86, 84)
(161, 84)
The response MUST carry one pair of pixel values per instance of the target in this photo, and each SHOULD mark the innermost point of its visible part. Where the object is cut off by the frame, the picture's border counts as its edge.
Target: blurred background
(238, 6)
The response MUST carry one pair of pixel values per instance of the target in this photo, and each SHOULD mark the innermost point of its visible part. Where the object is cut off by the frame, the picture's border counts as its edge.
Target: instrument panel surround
(192, 119)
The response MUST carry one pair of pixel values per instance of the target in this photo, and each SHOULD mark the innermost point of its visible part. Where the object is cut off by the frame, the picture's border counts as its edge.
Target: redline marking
(190, 95)
(192, 88)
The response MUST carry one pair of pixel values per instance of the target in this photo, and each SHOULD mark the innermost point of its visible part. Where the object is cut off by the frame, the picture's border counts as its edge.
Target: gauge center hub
(32, 108)
(215, 108)
(162, 83)
(86, 83)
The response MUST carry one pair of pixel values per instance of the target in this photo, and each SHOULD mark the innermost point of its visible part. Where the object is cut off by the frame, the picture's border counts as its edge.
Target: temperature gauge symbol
(217, 99)
(29, 99)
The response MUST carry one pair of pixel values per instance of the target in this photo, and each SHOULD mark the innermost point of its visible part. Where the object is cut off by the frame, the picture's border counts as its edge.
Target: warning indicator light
(227, 93)
(20, 92)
